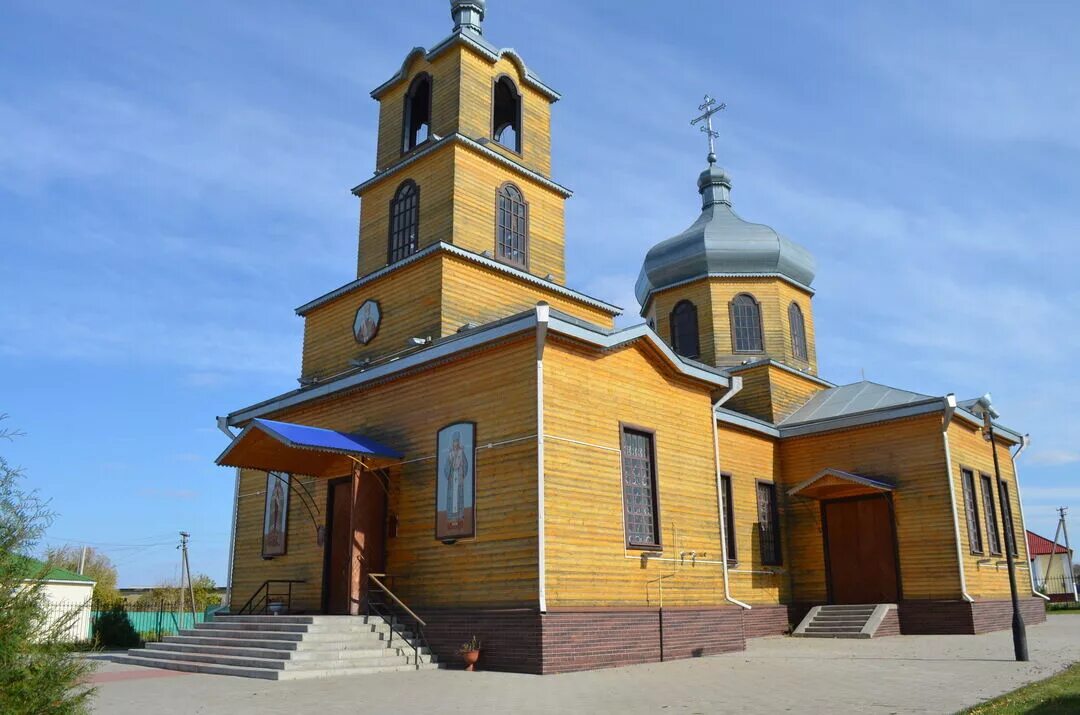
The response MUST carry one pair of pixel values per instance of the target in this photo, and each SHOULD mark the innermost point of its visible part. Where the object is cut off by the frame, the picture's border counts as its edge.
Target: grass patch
(1057, 694)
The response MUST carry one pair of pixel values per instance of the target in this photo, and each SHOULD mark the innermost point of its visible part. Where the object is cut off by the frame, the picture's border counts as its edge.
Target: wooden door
(337, 545)
(860, 545)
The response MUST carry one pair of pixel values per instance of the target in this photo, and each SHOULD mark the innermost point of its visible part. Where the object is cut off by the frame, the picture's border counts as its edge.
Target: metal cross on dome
(710, 107)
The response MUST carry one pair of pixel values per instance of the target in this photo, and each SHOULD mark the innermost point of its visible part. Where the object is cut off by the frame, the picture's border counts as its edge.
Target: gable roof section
(452, 346)
(852, 399)
(1042, 546)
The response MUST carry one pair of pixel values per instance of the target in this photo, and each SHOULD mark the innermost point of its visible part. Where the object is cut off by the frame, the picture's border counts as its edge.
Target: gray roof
(720, 243)
(852, 399)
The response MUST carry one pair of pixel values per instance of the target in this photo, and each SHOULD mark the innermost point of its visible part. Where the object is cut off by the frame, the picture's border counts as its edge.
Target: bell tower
(464, 157)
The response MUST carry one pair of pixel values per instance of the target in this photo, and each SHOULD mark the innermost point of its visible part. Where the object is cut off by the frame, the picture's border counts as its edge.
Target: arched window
(404, 221)
(512, 226)
(746, 324)
(506, 114)
(417, 118)
(684, 330)
(798, 331)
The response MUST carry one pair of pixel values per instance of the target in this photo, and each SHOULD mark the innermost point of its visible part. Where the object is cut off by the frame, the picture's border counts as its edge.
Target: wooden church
(475, 442)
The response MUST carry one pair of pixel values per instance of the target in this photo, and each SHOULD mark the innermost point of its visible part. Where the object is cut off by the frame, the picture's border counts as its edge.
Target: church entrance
(860, 550)
(355, 540)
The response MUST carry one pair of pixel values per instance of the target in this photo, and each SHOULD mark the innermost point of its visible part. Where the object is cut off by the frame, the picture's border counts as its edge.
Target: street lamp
(982, 408)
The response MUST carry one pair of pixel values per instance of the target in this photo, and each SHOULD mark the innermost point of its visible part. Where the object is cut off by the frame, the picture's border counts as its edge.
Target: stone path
(906, 674)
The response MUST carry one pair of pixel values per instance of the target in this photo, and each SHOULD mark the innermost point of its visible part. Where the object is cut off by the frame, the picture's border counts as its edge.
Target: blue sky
(174, 180)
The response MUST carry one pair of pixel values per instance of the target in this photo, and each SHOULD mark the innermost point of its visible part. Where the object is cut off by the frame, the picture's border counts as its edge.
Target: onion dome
(720, 243)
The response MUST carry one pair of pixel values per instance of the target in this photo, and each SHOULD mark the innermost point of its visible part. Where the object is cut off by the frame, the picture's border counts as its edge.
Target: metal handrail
(264, 590)
(418, 641)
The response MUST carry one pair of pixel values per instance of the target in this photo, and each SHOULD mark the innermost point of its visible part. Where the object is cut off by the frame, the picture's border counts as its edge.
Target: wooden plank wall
(986, 574)
(749, 456)
(496, 389)
(586, 396)
(909, 453)
(445, 106)
(697, 293)
(771, 393)
(477, 179)
(410, 302)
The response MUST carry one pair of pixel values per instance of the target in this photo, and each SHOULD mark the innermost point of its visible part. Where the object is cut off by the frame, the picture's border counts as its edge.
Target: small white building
(64, 591)
(1051, 565)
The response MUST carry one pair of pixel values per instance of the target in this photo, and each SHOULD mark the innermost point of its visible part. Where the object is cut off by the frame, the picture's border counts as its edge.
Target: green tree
(38, 672)
(98, 567)
(205, 594)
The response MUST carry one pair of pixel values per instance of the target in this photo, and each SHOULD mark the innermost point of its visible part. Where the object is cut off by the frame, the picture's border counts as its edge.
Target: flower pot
(276, 608)
(470, 657)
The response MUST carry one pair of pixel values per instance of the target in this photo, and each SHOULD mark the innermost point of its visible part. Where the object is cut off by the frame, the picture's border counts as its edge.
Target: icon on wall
(366, 324)
(455, 493)
(276, 515)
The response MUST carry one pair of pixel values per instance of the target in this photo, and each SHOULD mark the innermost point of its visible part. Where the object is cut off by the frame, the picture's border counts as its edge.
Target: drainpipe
(736, 385)
(950, 409)
(223, 425)
(1024, 442)
(543, 313)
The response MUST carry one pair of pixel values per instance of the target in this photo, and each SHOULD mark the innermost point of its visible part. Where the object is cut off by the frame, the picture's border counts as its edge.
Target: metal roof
(720, 243)
(852, 399)
(1040, 545)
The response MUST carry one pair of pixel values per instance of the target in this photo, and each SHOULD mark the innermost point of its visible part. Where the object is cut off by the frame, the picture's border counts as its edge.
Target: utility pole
(1019, 632)
(186, 570)
(1062, 511)
(82, 560)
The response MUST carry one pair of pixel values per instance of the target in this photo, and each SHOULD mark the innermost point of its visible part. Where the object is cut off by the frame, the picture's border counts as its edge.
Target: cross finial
(710, 107)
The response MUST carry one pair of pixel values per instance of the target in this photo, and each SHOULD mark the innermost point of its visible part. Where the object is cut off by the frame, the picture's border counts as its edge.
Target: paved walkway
(906, 674)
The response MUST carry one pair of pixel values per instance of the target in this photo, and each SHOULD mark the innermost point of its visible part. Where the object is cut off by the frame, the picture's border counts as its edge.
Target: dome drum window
(684, 330)
(512, 226)
(404, 222)
(798, 331)
(746, 331)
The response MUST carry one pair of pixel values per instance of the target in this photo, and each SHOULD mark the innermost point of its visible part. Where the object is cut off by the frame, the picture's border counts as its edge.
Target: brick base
(511, 638)
(768, 621)
(961, 617)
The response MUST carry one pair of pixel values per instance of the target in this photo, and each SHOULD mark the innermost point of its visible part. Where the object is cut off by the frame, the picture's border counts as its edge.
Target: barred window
(746, 324)
(798, 331)
(1006, 513)
(769, 524)
(404, 221)
(684, 329)
(991, 514)
(971, 507)
(729, 519)
(512, 228)
(639, 489)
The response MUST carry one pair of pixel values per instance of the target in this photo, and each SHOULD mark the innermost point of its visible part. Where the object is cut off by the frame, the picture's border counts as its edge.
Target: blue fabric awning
(301, 449)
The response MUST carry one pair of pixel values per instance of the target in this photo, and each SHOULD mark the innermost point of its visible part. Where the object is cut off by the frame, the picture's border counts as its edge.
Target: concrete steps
(857, 621)
(285, 647)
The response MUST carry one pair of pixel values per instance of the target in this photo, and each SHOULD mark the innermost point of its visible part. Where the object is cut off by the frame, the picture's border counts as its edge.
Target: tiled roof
(1039, 545)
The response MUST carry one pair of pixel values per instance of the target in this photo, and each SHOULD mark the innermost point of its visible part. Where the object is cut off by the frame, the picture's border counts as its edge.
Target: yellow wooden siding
(909, 453)
(789, 392)
(304, 558)
(446, 95)
(409, 300)
(478, 76)
(477, 178)
(496, 389)
(434, 175)
(697, 293)
(748, 457)
(755, 397)
(986, 574)
(472, 293)
(586, 396)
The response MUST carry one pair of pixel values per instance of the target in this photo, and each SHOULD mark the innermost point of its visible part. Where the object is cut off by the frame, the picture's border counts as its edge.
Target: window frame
(406, 112)
(528, 226)
(390, 260)
(1007, 520)
(650, 433)
(778, 555)
(675, 343)
(971, 509)
(734, 327)
(519, 140)
(731, 541)
(990, 514)
(795, 309)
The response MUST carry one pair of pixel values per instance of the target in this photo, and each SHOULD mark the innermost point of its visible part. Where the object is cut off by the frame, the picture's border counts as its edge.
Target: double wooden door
(860, 547)
(356, 538)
